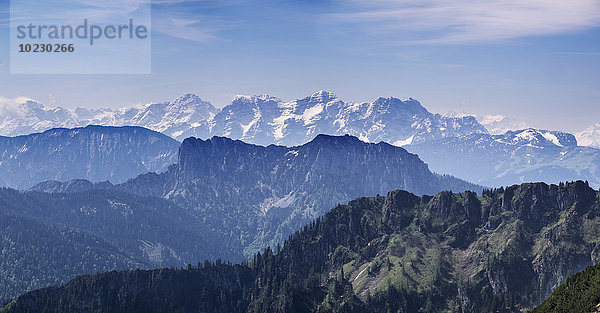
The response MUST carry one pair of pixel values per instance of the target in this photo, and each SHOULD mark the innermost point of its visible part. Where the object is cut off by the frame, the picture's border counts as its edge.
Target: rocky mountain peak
(531, 201)
(192, 104)
(245, 99)
(409, 107)
(322, 96)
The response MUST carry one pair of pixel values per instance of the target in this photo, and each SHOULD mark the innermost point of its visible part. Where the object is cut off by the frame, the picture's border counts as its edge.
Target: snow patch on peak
(241, 97)
(526, 134)
(552, 138)
(187, 97)
(311, 114)
(404, 142)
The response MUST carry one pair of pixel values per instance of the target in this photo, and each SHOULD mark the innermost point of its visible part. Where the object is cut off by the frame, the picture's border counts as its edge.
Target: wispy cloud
(193, 20)
(183, 19)
(189, 27)
(467, 21)
(114, 6)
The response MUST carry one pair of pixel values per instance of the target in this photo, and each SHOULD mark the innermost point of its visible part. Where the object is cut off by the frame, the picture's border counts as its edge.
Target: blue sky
(534, 60)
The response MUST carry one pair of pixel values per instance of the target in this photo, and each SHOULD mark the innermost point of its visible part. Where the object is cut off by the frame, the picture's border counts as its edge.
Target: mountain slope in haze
(50, 238)
(514, 157)
(96, 153)
(22, 116)
(504, 251)
(36, 255)
(580, 293)
(71, 186)
(183, 117)
(255, 119)
(496, 124)
(590, 136)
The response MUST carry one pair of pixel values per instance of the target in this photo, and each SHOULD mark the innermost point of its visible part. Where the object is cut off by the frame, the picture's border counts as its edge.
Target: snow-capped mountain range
(514, 152)
(264, 119)
(23, 116)
(255, 119)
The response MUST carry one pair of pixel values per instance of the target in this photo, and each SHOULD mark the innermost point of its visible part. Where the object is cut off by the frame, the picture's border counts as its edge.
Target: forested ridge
(503, 251)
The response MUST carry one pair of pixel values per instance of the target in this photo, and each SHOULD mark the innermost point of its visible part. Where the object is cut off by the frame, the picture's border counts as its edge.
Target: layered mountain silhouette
(259, 195)
(117, 198)
(221, 199)
(506, 151)
(504, 251)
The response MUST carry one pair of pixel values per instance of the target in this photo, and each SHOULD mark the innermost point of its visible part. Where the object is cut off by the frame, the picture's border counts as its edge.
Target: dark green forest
(503, 251)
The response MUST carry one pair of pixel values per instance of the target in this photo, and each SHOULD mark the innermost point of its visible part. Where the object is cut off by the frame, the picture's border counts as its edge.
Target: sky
(532, 60)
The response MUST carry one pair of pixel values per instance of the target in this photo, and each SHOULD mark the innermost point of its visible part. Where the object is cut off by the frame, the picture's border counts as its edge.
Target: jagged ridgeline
(504, 251)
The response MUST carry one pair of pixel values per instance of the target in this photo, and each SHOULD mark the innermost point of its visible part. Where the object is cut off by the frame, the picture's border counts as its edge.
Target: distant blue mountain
(528, 155)
(96, 153)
